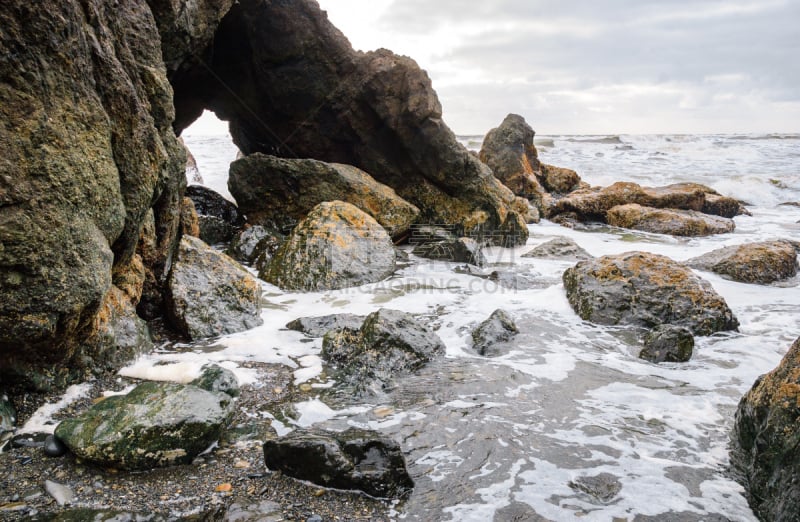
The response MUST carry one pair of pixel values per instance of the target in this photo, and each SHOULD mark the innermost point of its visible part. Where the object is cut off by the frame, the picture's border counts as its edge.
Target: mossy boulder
(643, 289)
(763, 263)
(209, 294)
(335, 246)
(765, 450)
(281, 192)
(686, 223)
(155, 425)
(352, 460)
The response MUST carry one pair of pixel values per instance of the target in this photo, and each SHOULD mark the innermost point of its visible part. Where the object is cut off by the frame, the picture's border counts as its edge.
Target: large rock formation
(647, 290)
(766, 441)
(292, 86)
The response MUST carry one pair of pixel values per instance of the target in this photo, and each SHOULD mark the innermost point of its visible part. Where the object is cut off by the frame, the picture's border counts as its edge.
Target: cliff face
(91, 175)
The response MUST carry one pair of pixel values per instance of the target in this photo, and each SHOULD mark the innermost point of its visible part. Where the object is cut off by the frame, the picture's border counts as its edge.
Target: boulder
(388, 344)
(335, 246)
(305, 93)
(765, 449)
(215, 378)
(219, 219)
(320, 325)
(253, 242)
(668, 343)
(648, 290)
(209, 294)
(154, 425)
(460, 250)
(559, 179)
(281, 192)
(509, 151)
(559, 248)
(759, 263)
(352, 460)
(489, 335)
(688, 223)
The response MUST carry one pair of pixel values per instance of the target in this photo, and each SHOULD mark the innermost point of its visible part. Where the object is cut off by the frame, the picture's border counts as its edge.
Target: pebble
(314, 518)
(241, 464)
(224, 488)
(305, 387)
(53, 447)
(62, 494)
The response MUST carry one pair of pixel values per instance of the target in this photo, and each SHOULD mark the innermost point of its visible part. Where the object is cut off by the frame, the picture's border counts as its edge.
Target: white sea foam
(42, 419)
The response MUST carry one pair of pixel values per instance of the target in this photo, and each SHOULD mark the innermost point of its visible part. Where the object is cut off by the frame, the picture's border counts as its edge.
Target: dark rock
(353, 460)
(603, 488)
(759, 263)
(253, 242)
(559, 248)
(281, 192)
(766, 441)
(209, 294)
(8, 416)
(54, 447)
(335, 246)
(218, 218)
(668, 343)
(320, 325)
(305, 93)
(460, 250)
(498, 328)
(155, 425)
(688, 223)
(724, 206)
(509, 151)
(388, 344)
(215, 378)
(647, 290)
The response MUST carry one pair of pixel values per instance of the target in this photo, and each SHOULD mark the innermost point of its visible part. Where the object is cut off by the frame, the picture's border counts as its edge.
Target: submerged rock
(460, 250)
(603, 488)
(155, 425)
(668, 343)
(388, 344)
(281, 192)
(643, 289)
(688, 223)
(219, 219)
(353, 459)
(559, 248)
(320, 325)
(766, 441)
(209, 294)
(759, 263)
(335, 246)
(498, 328)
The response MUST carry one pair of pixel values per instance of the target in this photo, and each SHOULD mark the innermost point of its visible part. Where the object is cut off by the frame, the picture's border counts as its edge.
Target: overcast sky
(596, 66)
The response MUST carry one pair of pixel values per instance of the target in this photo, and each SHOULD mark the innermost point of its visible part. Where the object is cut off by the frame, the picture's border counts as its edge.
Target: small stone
(383, 411)
(62, 494)
(224, 488)
(320, 492)
(305, 387)
(241, 464)
(54, 447)
(314, 518)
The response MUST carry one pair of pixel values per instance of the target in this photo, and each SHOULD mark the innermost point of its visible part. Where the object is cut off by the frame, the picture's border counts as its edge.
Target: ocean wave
(606, 140)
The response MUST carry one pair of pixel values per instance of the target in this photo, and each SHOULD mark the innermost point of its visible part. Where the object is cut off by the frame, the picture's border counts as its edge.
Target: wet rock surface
(209, 294)
(254, 242)
(459, 250)
(489, 336)
(155, 425)
(320, 325)
(758, 263)
(354, 459)
(668, 343)
(601, 488)
(388, 344)
(335, 246)
(766, 441)
(218, 218)
(281, 192)
(688, 223)
(648, 290)
(559, 248)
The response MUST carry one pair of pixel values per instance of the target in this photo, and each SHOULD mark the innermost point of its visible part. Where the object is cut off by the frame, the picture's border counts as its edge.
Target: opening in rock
(212, 147)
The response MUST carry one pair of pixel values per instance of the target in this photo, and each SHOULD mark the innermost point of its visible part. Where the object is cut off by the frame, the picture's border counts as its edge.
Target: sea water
(509, 437)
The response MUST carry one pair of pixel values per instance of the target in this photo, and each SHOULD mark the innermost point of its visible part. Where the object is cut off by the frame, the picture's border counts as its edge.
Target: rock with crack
(281, 192)
(353, 460)
(765, 449)
(492, 334)
(643, 289)
(687, 223)
(209, 294)
(388, 344)
(154, 425)
(335, 246)
(762, 263)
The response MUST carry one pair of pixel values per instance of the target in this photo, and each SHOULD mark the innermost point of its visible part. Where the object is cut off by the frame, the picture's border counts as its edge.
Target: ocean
(528, 433)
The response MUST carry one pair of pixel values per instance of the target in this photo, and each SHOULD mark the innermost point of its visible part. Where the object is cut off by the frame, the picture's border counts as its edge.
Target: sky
(596, 66)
